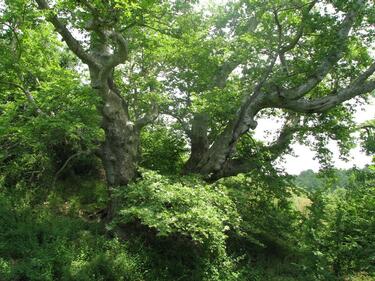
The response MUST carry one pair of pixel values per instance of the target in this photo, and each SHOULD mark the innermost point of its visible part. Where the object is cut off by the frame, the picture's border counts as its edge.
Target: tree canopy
(209, 74)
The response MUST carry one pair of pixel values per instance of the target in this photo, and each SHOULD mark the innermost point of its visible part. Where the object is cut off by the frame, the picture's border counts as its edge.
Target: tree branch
(221, 76)
(148, 117)
(356, 88)
(66, 164)
(184, 124)
(269, 153)
(297, 37)
(284, 139)
(73, 44)
(118, 57)
(300, 31)
(331, 59)
(234, 167)
(330, 101)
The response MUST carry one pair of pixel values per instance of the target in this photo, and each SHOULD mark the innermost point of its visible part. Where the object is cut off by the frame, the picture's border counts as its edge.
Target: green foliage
(269, 219)
(327, 179)
(163, 149)
(36, 243)
(183, 210)
(36, 139)
(308, 180)
(187, 207)
(170, 227)
(339, 229)
(368, 136)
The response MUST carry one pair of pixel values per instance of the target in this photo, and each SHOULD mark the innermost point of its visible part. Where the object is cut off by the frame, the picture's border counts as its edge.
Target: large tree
(215, 73)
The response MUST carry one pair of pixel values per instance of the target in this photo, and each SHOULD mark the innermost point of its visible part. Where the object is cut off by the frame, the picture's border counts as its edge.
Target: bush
(269, 220)
(188, 221)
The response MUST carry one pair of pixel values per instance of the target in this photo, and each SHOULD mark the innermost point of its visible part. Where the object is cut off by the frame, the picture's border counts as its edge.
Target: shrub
(269, 220)
(187, 216)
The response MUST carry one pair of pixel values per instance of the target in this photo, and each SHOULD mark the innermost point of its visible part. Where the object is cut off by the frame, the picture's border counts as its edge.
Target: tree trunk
(199, 142)
(218, 157)
(120, 148)
(119, 152)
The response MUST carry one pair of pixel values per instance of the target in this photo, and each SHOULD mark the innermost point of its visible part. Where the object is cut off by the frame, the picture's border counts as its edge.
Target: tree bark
(120, 149)
(122, 138)
(199, 142)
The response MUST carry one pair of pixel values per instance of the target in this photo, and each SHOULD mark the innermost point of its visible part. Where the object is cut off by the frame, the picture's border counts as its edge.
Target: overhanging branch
(323, 104)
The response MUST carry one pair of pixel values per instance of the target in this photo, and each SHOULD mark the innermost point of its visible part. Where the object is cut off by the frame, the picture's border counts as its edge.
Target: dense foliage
(243, 228)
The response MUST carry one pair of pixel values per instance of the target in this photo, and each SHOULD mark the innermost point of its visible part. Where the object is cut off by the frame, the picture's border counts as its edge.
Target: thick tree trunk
(120, 149)
(121, 145)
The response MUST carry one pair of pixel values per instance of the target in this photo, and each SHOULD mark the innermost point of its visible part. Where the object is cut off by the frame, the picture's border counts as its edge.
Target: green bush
(269, 220)
(188, 220)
